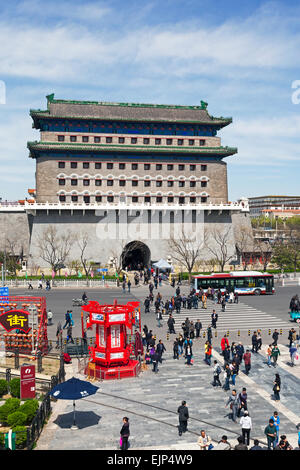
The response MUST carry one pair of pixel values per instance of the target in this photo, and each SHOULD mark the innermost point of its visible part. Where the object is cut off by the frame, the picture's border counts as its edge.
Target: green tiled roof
(226, 151)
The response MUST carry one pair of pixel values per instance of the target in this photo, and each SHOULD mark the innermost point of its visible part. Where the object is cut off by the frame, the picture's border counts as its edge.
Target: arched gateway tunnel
(136, 255)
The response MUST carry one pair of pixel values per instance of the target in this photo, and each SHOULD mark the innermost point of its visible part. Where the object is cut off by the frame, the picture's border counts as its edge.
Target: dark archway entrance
(136, 255)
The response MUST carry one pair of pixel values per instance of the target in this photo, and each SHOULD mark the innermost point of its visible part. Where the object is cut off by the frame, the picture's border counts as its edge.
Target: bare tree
(83, 241)
(245, 245)
(53, 248)
(186, 250)
(217, 241)
(263, 250)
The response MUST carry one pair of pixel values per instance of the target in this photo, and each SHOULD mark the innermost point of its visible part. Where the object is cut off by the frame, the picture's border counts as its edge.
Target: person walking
(204, 441)
(198, 327)
(247, 361)
(175, 349)
(129, 285)
(158, 318)
(160, 349)
(275, 336)
(224, 343)
(216, 374)
(271, 433)
(171, 323)
(277, 387)
(293, 353)
(240, 445)
(234, 372)
(256, 445)
(68, 319)
(214, 319)
(292, 336)
(246, 425)
(269, 354)
(183, 417)
(276, 420)
(254, 342)
(188, 350)
(233, 402)
(180, 345)
(155, 359)
(243, 401)
(59, 334)
(147, 305)
(69, 334)
(125, 433)
(209, 334)
(258, 341)
(274, 354)
(227, 375)
(226, 355)
(208, 353)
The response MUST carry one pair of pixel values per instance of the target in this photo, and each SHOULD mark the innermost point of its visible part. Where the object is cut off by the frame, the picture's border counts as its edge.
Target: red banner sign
(27, 382)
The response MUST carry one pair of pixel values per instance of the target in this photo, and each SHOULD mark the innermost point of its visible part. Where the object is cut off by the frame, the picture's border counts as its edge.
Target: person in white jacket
(204, 441)
(246, 424)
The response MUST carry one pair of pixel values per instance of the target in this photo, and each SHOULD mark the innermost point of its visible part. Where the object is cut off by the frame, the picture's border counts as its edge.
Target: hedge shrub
(29, 408)
(21, 436)
(3, 387)
(17, 418)
(14, 386)
(10, 406)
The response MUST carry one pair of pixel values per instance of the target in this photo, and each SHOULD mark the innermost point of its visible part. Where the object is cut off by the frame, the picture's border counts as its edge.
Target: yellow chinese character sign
(15, 319)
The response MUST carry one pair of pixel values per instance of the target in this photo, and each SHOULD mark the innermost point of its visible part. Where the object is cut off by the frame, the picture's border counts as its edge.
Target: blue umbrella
(73, 389)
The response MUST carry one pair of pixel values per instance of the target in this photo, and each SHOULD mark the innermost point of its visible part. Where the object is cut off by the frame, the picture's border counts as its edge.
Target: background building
(129, 177)
(258, 205)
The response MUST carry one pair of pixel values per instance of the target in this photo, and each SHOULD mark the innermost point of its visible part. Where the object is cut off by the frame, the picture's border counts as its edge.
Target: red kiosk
(110, 357)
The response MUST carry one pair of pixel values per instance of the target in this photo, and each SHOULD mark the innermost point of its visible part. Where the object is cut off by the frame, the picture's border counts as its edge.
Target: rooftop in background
(259, 204)
(128, 112)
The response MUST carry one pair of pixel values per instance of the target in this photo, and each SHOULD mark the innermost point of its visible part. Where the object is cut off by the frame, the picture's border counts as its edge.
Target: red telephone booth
(113, 347)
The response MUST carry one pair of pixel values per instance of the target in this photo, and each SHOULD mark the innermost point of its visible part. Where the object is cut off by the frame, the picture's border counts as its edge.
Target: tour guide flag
(79, 274)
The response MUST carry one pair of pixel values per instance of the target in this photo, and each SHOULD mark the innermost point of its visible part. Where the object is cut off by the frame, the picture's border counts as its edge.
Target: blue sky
(240, 57)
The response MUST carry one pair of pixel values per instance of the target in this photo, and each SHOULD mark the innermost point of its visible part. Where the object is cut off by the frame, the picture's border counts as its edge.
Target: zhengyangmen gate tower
(127, 173)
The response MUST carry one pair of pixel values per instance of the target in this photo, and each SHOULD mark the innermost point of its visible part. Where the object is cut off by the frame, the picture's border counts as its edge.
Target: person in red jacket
(247, 361)
(224, 342)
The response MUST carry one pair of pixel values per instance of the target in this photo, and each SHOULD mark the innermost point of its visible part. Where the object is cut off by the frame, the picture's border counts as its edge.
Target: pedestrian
(198, 327)
(171, 323)
(276, 420)
(155, 359)
(258, 340)
(240, 351)
(216, 374)
(256, 445)
(254, 342)
(204, 441)
(48, 286)
(274, 354)
(247, 361)
(269, 354)
(208, 353)
(277, 387)
(270, 432)
(292, 336)
(188, 350)
(180, 345)
(209, 334)
(293, 353)
(69, 334)
(175, 349)
(233, 401)
(227, 375)
(223, 444)
(147, 305)
(224, 343)
(68, 319)
(275, 337)
(129, 285)
(214, 319)
(234, 372)
(183, 417)
(158, 318)
(125, 433)
(160, 349)
(58, 336)
(30, 286)
(242, 401)
(40, 284)
(236, 298)
(240, 445)
(223, 304)
(226, 355)
(49, 318)
(124, 286)
(246, 425)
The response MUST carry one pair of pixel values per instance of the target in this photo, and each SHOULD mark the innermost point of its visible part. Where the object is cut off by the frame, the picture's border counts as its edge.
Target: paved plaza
(151, 400)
